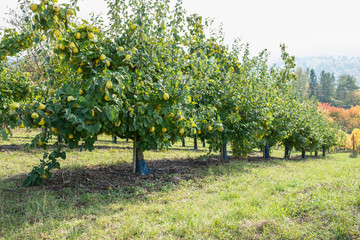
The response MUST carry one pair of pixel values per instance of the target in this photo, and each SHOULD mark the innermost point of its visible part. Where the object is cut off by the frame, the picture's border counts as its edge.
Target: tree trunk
(316, 153)
(287, 152)
(115, 140)
(303, 154)
(59, 139)
(137, 156)
(195, 144)
(127, 140)
(203, 143)
(183, 142)
(353, 140)
(139, 164)
(324, 151)
(262, 149)
(223, 152)
(267, 151)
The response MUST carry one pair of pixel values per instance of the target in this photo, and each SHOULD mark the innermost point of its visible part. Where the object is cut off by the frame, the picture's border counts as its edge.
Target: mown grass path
(298, 199)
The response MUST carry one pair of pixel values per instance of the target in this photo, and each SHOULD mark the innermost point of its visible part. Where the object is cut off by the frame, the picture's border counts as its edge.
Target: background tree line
(340, 92)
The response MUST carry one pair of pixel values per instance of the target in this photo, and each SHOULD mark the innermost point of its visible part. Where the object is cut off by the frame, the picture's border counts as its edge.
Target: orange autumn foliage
(348, 118)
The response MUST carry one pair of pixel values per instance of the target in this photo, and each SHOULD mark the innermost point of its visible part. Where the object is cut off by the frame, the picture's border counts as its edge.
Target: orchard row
(154, 75)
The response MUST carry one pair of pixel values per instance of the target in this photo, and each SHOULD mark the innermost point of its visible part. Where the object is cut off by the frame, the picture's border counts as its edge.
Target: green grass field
(277, 199)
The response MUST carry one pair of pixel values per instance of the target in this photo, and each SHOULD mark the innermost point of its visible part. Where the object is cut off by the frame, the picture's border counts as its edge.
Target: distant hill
(337, 65)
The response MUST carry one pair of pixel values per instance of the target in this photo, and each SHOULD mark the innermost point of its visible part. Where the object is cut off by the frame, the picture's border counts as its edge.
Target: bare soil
(100, 178)
(107, 177)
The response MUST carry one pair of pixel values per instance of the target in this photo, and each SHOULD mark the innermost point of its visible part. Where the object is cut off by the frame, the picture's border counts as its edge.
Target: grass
(277, 199)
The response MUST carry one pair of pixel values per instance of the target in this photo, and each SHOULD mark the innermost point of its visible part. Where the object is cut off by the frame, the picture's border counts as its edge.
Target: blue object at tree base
(144, 170)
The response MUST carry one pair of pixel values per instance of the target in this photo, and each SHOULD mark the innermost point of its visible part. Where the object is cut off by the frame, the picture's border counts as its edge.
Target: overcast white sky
(307, 27)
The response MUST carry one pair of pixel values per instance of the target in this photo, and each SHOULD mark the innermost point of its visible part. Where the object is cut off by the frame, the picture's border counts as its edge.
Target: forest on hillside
(342, 91)
(335, 64)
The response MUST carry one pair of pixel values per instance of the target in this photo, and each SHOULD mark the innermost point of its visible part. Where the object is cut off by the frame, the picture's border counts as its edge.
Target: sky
(307, 27)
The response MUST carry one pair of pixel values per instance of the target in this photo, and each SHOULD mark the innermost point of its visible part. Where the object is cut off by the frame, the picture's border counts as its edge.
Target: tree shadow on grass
(104, 177)
(165, 171)
(22, 148)
(108, 184)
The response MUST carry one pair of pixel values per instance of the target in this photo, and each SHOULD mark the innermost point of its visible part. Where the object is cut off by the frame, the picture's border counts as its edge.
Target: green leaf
(63, 155)
(3, 133)
(82, 99)
(27, 182)
(73, 144)
(80, 127)
(112, 113)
